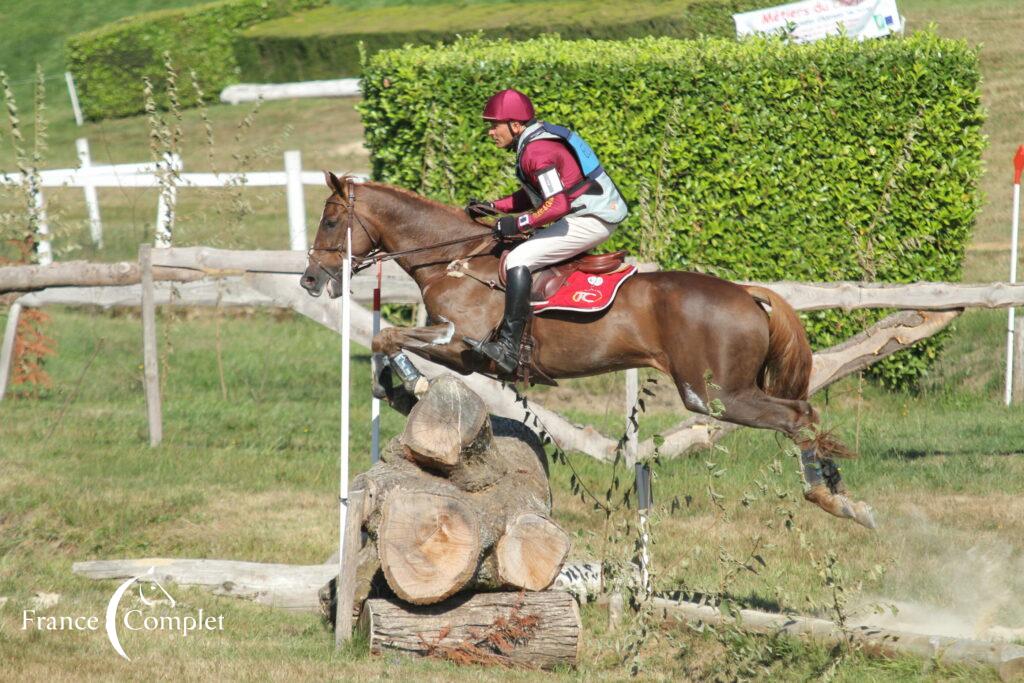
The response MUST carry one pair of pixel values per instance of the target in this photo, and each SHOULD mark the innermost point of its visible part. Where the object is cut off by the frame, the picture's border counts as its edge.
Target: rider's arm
(514, 203)
(552, 169)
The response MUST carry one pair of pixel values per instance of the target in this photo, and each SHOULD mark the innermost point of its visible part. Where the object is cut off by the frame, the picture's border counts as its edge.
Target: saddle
(547, 282)
(550, 279)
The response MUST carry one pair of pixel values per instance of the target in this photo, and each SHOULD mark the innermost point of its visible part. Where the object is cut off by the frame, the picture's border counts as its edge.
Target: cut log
(429, 545)
(447, 425)
(529, 630)
(458, 503)
(531, 552)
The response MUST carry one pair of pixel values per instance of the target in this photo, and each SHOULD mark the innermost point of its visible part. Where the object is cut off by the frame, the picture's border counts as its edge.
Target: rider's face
(503, 132)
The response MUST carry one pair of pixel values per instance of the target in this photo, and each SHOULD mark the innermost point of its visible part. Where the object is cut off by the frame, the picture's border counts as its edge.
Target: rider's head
(508, 113)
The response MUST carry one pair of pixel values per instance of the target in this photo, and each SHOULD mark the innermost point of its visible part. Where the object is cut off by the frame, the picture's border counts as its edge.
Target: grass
(254, 477)
(342, 21)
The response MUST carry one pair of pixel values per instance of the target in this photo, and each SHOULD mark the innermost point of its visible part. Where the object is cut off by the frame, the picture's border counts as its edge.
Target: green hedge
(757, 160)
(110, 62)
(324, 43)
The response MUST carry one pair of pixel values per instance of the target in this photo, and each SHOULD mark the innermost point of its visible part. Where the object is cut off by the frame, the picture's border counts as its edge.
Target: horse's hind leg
(799, 421)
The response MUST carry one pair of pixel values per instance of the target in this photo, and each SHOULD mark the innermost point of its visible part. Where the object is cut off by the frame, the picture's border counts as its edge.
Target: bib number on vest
(550, 183)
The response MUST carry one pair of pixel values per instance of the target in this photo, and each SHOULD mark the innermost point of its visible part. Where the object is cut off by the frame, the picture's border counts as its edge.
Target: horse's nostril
(308, 281)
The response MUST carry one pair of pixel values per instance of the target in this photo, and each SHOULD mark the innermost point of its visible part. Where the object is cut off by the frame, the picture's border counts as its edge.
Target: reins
(361, 263)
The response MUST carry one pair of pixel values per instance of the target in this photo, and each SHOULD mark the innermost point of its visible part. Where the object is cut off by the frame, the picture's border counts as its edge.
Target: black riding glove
(506, 227)
(476, 208)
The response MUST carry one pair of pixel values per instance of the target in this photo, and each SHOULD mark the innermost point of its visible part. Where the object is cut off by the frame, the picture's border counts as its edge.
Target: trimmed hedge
(757, 160)
(110, 62)
(324, 43)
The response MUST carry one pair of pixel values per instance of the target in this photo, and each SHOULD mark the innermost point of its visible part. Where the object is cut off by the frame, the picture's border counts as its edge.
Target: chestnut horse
(738, 351)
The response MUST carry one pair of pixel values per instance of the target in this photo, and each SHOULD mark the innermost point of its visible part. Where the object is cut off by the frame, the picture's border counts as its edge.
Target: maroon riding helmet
(508, 105)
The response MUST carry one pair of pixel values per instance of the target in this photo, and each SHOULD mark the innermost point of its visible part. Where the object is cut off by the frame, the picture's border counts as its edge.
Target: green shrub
(110, 62)
(755, 160)
(324, 43)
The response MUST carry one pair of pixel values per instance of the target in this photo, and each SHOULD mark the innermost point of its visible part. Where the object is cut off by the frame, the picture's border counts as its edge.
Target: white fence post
(150, 361)
(74, 97)
(44, 252)
(1018, 368)
(7, 350)
(166, 203)
(296, 200)
(91, 200)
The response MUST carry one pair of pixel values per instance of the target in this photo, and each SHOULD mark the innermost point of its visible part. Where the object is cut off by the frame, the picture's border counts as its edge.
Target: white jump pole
(375, 403)
(346, 333)
(91, 200)
(296, 200)
(74, 97)
(1018, 168)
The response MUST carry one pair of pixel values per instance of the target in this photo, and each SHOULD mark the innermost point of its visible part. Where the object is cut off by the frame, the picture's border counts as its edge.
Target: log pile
(460, 501)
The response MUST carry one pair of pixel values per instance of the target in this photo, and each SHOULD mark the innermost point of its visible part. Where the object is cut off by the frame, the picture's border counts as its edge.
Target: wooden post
(7, 350)
(643, 477)
(1018, 369)
(91, 200)
(352, 542)
(149, 351)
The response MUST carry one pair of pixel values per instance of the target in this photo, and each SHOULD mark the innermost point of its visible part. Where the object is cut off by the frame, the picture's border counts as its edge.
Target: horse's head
(327, 257)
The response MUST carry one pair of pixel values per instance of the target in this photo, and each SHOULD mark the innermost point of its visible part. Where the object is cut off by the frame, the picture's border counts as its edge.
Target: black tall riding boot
(505, 349)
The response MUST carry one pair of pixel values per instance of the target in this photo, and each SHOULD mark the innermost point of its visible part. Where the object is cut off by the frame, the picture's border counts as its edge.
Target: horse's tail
(786, 372)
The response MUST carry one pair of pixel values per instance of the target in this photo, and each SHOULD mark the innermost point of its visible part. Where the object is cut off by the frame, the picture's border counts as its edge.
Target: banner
(815, 19)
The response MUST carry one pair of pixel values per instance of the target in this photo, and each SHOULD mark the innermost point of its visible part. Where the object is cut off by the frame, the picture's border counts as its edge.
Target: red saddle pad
(586, 292)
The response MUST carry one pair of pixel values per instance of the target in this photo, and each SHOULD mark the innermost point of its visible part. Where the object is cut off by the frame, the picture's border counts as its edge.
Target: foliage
(830, 161)
(324, 43)
(110, 63)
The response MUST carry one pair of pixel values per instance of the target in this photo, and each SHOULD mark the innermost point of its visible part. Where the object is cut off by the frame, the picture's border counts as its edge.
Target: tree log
(529, 630)
(458, 502)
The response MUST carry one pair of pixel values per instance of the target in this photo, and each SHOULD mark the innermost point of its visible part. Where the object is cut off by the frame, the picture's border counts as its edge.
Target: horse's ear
(333, 183)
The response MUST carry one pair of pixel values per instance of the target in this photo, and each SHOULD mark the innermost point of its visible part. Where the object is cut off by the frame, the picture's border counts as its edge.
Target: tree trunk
(460, 503)
(529, 630)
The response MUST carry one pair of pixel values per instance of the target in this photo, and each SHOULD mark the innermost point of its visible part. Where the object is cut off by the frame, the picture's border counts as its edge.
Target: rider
(564, 191)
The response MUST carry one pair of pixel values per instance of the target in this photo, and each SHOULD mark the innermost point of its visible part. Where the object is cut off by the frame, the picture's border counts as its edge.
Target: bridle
(376, 255)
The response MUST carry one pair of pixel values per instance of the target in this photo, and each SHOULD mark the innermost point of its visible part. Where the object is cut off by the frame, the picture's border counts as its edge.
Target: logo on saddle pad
(586, 292)
(589, 296)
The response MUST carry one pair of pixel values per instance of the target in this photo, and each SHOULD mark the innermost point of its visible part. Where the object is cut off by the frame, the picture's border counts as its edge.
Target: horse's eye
(330, 223)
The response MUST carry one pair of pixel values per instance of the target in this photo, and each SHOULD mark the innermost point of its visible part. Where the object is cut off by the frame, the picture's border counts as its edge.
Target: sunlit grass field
(249, 465)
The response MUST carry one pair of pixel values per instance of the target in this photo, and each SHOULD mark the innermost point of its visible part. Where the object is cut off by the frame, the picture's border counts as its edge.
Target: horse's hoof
(864, 515)
(420, 386)
(841, 506)
(380, 375)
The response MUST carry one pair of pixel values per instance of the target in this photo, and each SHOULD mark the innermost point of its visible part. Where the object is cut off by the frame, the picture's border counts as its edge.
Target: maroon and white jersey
(549, 167)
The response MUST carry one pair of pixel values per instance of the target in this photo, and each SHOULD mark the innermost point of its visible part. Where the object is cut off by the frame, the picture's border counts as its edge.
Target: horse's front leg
(434, 342)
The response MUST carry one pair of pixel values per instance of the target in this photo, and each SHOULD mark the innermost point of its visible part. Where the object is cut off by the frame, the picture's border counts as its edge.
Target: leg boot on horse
(505, 349)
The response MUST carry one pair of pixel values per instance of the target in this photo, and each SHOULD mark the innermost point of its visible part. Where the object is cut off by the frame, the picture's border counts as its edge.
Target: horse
(738, 352)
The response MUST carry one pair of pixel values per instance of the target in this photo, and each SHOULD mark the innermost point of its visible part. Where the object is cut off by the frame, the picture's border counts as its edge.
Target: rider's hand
(476, 208)
(506, 227)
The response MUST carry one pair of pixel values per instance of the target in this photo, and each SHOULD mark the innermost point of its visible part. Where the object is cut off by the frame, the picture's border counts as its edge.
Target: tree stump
(528, 630)
(459, 501)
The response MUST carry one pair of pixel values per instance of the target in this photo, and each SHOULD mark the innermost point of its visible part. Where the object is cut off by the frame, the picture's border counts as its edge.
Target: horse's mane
(401, 191)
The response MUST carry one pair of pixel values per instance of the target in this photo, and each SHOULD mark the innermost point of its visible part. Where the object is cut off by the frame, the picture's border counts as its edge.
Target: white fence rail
(250, 92)
(167, 176)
